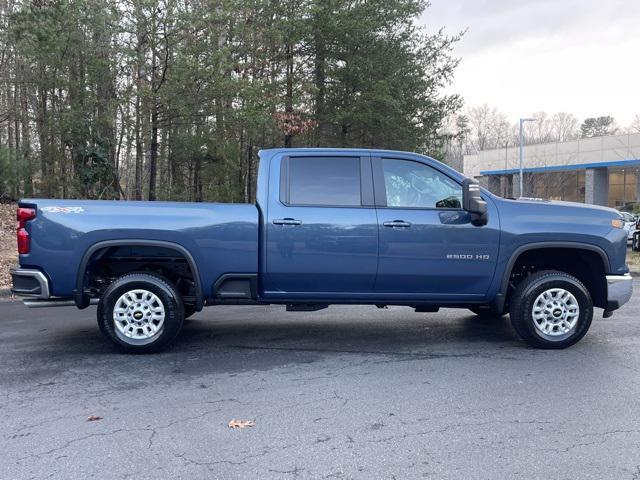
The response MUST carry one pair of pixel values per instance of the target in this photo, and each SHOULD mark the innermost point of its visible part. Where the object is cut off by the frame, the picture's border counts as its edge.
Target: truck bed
(220, 237)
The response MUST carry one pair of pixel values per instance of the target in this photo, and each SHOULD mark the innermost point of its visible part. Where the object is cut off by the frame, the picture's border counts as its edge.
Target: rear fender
(82, 300)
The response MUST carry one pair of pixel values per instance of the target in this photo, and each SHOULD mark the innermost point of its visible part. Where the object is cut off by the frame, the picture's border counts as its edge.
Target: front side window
(415, 185)
(329, 181)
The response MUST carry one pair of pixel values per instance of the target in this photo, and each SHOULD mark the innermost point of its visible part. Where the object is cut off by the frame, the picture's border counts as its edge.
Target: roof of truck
(271, 152)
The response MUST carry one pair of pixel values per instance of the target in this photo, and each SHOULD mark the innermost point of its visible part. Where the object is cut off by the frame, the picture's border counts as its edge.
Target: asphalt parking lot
(348, 392)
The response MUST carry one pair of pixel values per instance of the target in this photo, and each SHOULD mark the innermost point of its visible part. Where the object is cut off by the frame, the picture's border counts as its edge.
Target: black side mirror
(473, 203)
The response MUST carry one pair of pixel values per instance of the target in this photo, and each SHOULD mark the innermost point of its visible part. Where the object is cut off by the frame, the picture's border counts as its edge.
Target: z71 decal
(62, 209)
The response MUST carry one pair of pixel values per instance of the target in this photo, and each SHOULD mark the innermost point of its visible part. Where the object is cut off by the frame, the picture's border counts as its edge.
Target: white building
(600, 170)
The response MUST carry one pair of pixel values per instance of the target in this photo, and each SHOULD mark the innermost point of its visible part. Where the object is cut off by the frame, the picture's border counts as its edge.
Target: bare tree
(488, 127)
(564, 126)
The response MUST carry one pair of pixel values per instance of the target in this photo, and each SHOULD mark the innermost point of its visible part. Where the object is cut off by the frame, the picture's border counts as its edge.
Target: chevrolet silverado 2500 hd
(330, 226)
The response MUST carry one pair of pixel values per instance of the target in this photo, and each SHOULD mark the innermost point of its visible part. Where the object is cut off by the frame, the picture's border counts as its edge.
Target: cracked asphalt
(347, 392)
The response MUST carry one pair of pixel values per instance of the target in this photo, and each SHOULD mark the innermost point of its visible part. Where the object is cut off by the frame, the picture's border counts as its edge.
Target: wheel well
(586, 265)
(111, 262)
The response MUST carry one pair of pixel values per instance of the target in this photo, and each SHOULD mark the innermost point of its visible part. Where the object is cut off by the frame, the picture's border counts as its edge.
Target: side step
(426, 309)
(62, 302)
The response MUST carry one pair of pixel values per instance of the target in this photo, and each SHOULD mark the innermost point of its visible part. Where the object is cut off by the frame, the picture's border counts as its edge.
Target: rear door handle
(287, 221)
(397, 223)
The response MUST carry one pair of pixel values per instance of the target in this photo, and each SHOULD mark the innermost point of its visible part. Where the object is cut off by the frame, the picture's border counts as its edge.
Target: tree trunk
(249, 178)
(42, 122)
(140, 43)
(19, 143)
(153, 152)
(197, 178)
(319, 77)
(26, 141)
(153, 147)
(11, 139)
(288, 107)
(137, 188)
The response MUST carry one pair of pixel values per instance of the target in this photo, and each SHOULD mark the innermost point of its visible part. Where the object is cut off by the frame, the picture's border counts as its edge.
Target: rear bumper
(30, 283)
(619, 290)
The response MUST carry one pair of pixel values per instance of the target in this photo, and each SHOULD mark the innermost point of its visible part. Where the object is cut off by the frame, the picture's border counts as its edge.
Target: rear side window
(324, 181)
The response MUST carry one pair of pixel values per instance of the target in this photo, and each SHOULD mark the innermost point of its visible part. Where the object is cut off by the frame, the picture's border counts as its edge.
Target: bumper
(30, 283)
(619, 290)
(34, 285)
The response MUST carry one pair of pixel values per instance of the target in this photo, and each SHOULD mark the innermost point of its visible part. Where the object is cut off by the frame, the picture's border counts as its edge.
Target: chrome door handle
(287, 221)
(397, 223)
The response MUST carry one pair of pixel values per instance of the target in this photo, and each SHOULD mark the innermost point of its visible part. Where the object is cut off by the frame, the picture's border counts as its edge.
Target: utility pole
(522, 120)
(506, 156)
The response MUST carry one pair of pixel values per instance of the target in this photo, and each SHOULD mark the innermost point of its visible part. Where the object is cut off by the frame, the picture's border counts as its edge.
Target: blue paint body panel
(335, 249)
(335, 254)
(415, 260)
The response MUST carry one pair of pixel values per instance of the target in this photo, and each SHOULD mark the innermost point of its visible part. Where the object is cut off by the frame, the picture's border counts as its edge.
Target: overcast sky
(578, 56)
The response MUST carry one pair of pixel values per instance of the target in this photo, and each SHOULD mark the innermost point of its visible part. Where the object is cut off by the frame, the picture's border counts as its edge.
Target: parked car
(630, 224)
(630, 207)
(330, 226)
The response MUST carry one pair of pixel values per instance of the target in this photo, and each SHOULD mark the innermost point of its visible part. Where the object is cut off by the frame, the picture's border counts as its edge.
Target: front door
(428, 245)
(321, 227)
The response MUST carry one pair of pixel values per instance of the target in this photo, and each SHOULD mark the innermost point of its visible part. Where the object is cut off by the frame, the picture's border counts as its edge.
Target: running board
(305, 307)
(63, 302)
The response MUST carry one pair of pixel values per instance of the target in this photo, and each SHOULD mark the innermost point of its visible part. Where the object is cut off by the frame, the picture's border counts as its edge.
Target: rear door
(428, 245)
(322, 237)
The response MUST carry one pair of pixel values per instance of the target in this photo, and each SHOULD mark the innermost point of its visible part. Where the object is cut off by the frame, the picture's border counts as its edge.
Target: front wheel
(141, 313)
(551, 309)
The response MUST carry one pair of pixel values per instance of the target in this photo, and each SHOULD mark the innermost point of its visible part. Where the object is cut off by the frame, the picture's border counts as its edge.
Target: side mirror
(473, 203)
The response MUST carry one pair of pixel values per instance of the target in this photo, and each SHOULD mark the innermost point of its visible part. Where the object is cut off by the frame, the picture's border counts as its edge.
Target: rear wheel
(141, 313)
(551, 309)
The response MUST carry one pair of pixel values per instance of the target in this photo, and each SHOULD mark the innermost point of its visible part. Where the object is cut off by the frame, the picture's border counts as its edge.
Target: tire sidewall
(531, 293)
(171, 301)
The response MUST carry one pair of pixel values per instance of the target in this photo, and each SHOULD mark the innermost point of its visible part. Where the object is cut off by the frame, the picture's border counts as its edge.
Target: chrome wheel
(138, 316)
(555, 313)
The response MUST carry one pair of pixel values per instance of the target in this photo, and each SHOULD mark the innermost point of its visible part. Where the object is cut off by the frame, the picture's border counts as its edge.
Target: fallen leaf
(93, 418)
(241, 423)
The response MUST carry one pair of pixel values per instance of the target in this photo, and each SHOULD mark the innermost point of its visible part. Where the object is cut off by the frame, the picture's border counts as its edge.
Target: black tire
(164, 292)
(487, 312)
(526, 294)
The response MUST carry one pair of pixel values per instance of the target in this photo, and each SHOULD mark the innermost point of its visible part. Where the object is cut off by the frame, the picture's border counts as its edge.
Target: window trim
(380, 188)
(365, 174)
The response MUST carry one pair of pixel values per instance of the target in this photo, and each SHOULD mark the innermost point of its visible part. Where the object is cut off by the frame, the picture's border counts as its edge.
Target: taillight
(23, 216)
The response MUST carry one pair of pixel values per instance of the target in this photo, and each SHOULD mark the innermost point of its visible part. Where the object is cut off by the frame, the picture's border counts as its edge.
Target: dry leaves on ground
(8, 248)
(241, 423)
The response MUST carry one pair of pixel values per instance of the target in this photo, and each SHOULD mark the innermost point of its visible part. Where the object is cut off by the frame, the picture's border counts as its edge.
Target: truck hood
(577, 208)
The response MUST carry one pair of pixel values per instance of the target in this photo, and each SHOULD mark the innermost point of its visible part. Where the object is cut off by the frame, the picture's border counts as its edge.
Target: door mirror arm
(473, 203)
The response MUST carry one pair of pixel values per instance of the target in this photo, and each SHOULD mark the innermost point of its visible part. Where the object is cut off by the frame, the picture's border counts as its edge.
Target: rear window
(329, 181)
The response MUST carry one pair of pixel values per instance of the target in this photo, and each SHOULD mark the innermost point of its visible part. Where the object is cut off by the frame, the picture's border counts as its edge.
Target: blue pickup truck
(331, 226)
